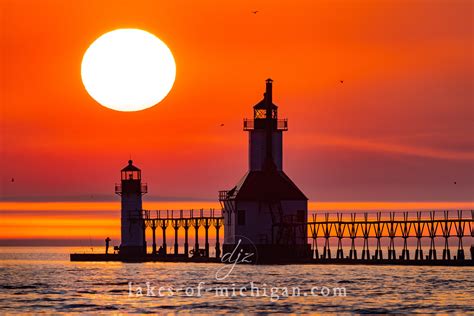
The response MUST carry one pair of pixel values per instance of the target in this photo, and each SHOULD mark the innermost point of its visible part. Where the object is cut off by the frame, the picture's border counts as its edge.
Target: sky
(398, 129)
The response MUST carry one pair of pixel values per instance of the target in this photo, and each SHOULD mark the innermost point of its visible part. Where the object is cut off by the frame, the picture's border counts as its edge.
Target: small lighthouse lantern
(131, 172)
(131, 177)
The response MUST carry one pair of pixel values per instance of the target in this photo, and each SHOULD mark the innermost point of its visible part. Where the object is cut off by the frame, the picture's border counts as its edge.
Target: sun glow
(128, 70)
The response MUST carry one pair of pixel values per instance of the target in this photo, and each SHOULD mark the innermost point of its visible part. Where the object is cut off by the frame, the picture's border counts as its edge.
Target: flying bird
(13, 179)
(454, 182)
(222, 124)
(254, 12)
(342, 81)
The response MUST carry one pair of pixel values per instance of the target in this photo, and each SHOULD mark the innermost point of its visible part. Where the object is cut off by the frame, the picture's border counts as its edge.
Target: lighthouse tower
(262, 130)
(266, 212)
(131, 189)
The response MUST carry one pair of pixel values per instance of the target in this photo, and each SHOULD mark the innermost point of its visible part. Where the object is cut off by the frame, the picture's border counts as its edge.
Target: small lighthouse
(131, 189)
(266, 211)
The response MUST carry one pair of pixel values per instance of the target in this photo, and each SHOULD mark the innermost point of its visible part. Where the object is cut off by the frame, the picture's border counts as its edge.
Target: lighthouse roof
(262, 105)
(269, 185)
(130, 167)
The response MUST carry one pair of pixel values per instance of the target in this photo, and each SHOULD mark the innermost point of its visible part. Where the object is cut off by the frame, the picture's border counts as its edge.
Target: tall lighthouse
(265, 211)
(131, 189)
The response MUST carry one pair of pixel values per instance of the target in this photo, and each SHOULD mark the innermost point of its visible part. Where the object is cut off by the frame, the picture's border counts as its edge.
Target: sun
(128, 70)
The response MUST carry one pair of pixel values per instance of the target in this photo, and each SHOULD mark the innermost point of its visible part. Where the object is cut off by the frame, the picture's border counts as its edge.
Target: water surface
(43, 280)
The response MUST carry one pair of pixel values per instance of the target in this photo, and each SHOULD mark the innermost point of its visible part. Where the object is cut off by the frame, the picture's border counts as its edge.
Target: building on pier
(131, 189)
(265, 209)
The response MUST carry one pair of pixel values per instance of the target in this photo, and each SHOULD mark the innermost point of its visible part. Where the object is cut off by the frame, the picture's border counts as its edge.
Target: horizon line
(203, 204)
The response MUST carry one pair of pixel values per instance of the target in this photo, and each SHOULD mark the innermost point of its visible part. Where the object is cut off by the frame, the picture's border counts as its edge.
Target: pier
(335, 238)
(383, 230)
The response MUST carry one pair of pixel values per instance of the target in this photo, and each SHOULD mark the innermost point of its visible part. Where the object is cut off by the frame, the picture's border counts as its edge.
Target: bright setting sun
(128, 70)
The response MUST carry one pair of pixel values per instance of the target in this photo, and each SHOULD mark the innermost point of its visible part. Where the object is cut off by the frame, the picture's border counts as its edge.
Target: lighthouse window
(241, 217)
(260, 113)
(131, 175)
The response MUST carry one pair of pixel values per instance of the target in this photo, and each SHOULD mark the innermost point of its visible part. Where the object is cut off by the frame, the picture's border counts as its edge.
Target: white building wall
(292, 208)
(229, 222)
(258, 223)
(257, 149)
(132, 232)
(258, 220)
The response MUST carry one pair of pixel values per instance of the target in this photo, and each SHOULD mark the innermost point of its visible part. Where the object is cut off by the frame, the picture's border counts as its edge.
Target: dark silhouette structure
(261, 210)
(131, 189)
(336, 238)
(266, 213)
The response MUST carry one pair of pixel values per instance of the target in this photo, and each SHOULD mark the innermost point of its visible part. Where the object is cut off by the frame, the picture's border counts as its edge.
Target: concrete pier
(328, 230)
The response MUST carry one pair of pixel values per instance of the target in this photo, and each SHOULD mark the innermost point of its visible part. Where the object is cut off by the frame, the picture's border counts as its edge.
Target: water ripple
(57, 285)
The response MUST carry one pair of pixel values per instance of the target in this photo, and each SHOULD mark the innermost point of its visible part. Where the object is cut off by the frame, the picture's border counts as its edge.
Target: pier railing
(185, 219)
(227, 195)
(354, 235)
(281, 124)
(143, 188)
(385, 228)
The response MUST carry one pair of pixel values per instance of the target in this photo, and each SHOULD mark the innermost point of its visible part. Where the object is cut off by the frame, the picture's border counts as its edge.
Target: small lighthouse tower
(131, 189)
(266, 211)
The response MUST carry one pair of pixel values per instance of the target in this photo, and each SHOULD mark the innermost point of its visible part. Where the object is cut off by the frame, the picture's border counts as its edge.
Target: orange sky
(78, 223)
(399, 128)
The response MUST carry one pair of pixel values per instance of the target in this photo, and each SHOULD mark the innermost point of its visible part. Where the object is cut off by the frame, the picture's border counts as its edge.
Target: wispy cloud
(365, 144)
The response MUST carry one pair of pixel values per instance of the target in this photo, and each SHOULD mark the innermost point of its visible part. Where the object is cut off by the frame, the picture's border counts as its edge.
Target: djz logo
(240, 254)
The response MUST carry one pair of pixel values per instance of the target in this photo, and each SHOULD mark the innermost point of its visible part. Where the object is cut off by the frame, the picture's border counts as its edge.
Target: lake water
(43, 280)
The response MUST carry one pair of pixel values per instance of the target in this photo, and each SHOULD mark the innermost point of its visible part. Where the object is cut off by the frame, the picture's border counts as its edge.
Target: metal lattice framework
(374, 229)
(389, 226)
(184, 219)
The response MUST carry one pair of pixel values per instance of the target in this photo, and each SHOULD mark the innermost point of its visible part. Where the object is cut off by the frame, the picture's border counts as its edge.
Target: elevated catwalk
(344, 232)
